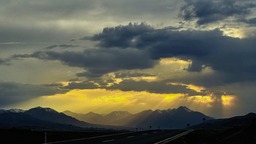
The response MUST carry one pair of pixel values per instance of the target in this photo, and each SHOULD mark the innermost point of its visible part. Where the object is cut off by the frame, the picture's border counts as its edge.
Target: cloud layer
(188, 47)
(13, 93)
(139, 46)
(205, 12)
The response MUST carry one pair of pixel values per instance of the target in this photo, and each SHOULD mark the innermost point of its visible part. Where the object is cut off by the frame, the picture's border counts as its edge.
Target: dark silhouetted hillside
(170, 118)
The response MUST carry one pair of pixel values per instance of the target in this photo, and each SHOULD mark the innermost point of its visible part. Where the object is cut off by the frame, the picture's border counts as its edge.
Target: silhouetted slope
(48, 114)
(46, 118)
(171, 118)
(228, 122)
(115, 118)
(234, 130)
(89, 117)
(22, 120)
(116, 115)
(41, 118)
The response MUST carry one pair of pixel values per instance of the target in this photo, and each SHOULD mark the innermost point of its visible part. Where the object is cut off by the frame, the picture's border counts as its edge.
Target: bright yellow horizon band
(104, 101)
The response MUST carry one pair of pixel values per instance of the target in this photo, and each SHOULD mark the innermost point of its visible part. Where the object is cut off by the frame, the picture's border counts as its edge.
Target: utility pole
(204, 123)
(45, 137)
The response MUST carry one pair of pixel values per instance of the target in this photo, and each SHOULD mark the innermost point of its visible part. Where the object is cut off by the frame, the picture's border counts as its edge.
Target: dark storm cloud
(209, 11)
(160, 42)
(89, 74)
(152, 87)
(98, 61)
(12, 93)
(233, 58)
(121, 36)
(251, 21)
(139, 46)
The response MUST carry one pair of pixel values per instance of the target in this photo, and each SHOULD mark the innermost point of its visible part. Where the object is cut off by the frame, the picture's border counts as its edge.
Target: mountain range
(176, 118)
(37, 121)
(40, 118)
(47, 118)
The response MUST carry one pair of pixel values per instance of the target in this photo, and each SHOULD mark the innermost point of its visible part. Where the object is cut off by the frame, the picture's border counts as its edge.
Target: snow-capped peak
(15, 110)
(39, 108)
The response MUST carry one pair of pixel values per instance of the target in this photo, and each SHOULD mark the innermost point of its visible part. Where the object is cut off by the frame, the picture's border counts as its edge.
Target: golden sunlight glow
(98, 100)
(195, 88)
(145, 78)
(169, 61)
(172, 97)
(227, 100)
(206, 100)
(105, 101)
(232, 32)
(135, 78)
(190, 86)
(65, 83)
(116, 81)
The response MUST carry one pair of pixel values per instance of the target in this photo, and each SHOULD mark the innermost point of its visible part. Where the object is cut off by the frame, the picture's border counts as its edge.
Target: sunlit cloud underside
(104, 101)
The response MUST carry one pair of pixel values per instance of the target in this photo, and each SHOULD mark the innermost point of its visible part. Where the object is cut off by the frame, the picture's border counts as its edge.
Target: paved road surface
(143, 137)
(166, 141)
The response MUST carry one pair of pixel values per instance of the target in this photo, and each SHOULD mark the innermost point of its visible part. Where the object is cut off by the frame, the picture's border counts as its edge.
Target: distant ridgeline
(47, 118)
(178, 118)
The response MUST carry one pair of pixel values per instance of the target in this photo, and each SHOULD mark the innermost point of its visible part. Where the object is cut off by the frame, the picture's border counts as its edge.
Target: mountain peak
(45, 109)
(159, 111)
(250, 115)
(184, 108)
(15, 110)
(67, 111)
(92, 113)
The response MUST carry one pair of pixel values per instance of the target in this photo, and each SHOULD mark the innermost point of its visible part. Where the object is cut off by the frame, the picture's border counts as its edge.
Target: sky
(131, 55)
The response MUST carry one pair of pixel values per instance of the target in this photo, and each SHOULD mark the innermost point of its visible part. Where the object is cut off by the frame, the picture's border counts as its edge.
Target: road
(142, 137)
(166, 141)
